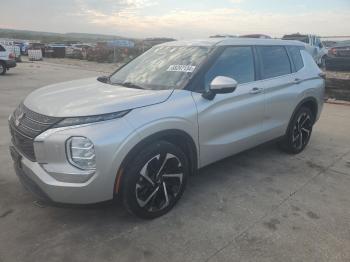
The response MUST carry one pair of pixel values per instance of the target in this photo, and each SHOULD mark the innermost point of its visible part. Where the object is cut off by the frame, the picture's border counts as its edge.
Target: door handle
(297, 81)
(255, 90)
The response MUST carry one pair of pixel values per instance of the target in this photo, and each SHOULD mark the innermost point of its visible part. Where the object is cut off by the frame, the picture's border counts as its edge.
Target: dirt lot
(261, 205)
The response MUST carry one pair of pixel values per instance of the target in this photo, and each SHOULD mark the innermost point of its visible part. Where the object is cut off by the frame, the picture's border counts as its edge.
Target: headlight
(81, 153)
(72, 121)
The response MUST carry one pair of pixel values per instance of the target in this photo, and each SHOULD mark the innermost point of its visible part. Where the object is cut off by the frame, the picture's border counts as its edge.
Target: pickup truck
(7, 60)
(313, 45)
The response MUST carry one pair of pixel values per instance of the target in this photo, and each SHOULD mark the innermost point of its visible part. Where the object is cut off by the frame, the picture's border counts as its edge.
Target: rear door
(280, 84)
(232, 122)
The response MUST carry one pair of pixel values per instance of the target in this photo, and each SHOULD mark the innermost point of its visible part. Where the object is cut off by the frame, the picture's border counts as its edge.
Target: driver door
(232, 122)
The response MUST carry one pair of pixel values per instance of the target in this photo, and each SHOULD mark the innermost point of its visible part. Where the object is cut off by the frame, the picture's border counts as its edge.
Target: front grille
(25, 125)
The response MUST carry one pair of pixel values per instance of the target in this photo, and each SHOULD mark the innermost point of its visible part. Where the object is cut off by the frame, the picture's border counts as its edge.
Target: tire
(2, 68)
(299, 131)
(154, 180)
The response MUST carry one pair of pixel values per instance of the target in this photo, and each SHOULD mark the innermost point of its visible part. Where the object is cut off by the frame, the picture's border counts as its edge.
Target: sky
(180, 19)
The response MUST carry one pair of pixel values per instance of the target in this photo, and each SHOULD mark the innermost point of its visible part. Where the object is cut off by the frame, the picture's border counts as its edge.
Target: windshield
(162, 67)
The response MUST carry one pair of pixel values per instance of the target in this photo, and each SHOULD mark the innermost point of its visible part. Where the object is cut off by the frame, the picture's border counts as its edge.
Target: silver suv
(139, 133)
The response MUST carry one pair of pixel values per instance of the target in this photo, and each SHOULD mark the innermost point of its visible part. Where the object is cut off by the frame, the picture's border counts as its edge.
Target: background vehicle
(339, 57)
(261, 36)
(77, 51)
(139, 133)
(7, 60)
(313, 45)
(12, 47)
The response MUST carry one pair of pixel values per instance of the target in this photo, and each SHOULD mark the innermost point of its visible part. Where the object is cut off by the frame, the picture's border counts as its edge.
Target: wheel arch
(3, 63)
(177, 137)
(309, 102)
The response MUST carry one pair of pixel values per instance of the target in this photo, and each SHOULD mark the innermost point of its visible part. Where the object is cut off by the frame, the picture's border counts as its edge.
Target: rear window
(295, 54)
(274, 61)
(2, 48)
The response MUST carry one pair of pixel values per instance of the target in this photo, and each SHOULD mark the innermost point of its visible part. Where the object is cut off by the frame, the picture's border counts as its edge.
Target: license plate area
(16, 157)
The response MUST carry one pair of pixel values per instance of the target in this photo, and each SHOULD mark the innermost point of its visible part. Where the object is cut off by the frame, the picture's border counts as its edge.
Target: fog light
(81, 153)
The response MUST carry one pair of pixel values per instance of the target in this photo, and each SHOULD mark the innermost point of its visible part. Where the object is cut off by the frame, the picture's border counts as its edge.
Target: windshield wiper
(130, 85)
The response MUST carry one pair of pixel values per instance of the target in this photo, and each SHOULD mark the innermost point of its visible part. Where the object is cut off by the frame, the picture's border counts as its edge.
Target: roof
(232, 41)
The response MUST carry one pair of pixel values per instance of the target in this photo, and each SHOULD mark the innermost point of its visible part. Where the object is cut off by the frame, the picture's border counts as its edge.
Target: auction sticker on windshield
(181, 68)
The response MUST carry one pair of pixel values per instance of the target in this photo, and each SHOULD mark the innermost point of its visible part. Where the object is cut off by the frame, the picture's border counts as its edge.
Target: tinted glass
(1, 48)
(234, 62)
(295, 54)
(162, 67)
(274, 61)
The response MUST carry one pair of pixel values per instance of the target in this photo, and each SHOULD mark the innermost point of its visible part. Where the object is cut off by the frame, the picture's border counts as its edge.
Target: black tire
(299, 131)
(2, 68)
(147, 189)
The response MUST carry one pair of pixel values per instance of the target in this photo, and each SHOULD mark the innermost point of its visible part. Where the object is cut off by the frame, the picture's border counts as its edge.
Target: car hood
(90, 97)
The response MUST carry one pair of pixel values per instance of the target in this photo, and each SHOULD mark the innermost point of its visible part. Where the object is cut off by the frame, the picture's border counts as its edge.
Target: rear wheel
(155, 180)
(2, 68)
(299, 131)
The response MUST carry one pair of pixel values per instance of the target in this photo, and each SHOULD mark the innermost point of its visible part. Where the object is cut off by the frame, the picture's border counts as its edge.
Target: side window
(234, 62)
(2, 49)
(295, 54)
(274, 61)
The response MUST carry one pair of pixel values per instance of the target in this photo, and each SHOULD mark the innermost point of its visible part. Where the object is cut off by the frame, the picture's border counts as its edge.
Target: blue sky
(181, 19)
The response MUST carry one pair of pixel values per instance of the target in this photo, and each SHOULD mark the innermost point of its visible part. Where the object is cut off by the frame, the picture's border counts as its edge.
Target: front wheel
(155, 180)
(2, 68)
(299, 131)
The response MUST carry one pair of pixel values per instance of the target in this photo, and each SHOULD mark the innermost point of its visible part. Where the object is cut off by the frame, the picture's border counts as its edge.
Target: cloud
(153, 18)
(107, 7)
(193, 23)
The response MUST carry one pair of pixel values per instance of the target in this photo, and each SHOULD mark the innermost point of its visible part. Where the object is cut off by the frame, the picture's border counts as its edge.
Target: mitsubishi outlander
(139, 133)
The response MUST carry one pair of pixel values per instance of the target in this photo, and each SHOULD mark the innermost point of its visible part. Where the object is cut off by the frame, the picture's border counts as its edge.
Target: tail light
(12, 56)
(332, 51)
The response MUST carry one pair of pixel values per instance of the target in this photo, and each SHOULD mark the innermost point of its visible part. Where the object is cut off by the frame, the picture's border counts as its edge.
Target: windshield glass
(162, 67)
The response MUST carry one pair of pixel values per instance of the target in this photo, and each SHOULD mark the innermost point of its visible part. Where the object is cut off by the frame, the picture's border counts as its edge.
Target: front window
(234, 62)
(162, 67)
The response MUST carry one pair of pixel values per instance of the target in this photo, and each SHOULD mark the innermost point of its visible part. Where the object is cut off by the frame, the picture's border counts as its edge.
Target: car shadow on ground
(9, 74)
(213, 175)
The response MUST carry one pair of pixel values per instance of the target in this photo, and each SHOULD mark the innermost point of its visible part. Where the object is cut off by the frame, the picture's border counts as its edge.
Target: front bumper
(29, 184)
(42, 185)
(10, 63)
(54, 178)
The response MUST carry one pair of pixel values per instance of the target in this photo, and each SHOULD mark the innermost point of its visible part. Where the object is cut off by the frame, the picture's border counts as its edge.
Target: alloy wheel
(301, 131)
(160, 181)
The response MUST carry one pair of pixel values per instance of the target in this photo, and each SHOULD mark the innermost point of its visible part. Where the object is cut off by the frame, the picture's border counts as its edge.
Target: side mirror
(103, 79)
(220, 85)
